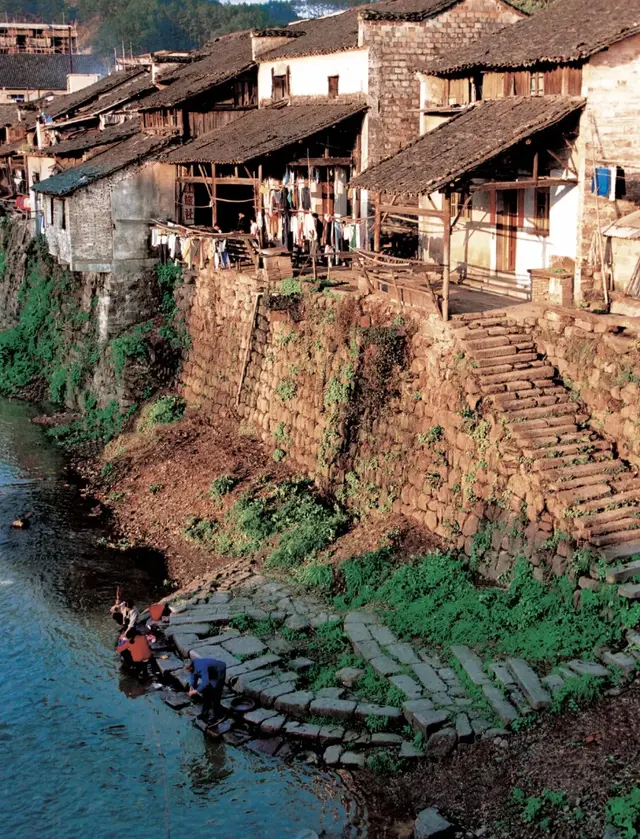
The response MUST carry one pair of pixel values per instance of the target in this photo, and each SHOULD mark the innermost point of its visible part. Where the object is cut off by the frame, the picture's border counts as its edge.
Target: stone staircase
(593, 495)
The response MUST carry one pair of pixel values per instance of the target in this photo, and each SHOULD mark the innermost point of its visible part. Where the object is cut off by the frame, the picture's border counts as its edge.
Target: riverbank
(178, 486)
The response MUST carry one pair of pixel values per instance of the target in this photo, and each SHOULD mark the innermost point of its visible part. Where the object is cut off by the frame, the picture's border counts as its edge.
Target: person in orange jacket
(134, 650)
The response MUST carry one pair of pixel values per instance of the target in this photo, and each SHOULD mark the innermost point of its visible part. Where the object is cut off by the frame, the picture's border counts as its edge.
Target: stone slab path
(449, 697)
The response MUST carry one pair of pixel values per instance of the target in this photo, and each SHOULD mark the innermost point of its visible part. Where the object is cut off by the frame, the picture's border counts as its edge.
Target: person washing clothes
(207, 677)
(134, 651)
(125, 612)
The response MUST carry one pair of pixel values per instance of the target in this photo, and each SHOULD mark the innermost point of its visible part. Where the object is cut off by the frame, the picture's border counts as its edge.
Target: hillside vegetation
(146, 25)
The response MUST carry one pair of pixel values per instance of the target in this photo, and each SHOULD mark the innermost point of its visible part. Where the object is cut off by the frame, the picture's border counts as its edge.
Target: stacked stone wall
(423, 451)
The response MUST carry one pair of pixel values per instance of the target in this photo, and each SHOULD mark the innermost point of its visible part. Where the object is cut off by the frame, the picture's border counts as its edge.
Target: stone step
(476, 317)
(501, 706)
(472, 665)
(545, 462)
(502, 352)
(627, 549)
(625, 482)
(552, 425)
(622, 573)
(532, 399)
(621, 661)
(612, 539)
(556, 410)
(610, 501)
(584, 523)
(631, 591)
(571, 497)
(582, 481)
(532, 374)
(504, 364)
(545, 436)
(617, 526)
(487, 343)
(588, 668)
(526, 393)
(584, 469)
(529, 683)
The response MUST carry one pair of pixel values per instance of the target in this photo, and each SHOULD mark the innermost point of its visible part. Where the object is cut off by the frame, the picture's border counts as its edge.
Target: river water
(82, 753)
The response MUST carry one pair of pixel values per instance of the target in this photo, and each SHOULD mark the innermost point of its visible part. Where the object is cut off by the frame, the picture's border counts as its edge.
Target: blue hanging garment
(601, 182)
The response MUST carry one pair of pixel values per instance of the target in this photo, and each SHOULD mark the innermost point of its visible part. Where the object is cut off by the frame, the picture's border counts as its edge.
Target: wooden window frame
(458, 200)
(541, 220)
(333, 86)
(283, 82)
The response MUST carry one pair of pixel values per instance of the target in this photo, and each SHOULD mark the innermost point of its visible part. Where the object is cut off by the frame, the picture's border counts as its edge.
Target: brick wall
(608, 135)
(398, 49)
(416, 455)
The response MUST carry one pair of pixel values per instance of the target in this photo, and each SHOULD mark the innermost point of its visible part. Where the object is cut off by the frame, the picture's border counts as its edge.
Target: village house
(527, 153)
(345, 92)
(25, 77)
(96, 214)
(38, 38)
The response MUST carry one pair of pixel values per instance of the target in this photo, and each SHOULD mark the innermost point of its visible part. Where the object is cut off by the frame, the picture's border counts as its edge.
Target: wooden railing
(409, 278)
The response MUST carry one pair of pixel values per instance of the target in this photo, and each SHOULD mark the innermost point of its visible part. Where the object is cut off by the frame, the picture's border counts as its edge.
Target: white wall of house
(309, 74)
(42, 167)
(474, 242)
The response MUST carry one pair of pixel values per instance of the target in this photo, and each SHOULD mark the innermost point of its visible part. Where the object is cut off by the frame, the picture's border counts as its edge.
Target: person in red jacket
(134, 651)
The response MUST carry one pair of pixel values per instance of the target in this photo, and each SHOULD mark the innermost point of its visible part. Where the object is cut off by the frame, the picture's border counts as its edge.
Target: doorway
(507, 230)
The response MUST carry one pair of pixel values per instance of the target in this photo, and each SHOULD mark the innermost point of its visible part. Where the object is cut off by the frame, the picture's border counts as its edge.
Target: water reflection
(78, 755)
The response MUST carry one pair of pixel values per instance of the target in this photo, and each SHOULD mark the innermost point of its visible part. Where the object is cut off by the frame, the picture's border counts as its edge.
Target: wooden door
(507, 229)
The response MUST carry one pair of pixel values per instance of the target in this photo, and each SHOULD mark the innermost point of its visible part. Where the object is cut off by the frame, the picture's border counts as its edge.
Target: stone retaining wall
(305, 393)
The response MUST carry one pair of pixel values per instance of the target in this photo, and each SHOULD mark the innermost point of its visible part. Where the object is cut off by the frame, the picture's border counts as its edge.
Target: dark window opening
(460, 204)
(333, 86)
(50, 211)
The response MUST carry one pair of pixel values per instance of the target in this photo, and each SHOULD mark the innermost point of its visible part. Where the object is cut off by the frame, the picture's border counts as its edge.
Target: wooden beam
(228, 180)
(523, 184)
(377, 223)
(323, 161)
(446, 253)
(409, 211)
(536, 165)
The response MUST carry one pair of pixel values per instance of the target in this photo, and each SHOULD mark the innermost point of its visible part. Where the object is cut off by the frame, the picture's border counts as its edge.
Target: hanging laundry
(305, 198)
(601, 181)
(340, 192)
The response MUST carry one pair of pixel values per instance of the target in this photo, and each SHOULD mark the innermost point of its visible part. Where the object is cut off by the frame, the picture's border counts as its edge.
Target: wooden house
(216, 87)
(527, 151)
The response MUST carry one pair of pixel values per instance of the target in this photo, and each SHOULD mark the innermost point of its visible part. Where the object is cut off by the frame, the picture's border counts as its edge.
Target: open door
(507, 229)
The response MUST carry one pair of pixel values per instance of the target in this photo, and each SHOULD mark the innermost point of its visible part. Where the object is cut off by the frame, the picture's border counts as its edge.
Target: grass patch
(163, 411)
(435, 598)
(223, 486)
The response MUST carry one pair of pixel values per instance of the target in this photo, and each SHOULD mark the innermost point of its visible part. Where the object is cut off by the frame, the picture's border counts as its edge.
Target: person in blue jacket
(207, 677)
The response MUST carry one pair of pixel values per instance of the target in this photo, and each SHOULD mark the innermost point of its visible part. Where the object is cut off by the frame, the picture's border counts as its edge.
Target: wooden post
(377, 223)
(446, 252)
(214, 203)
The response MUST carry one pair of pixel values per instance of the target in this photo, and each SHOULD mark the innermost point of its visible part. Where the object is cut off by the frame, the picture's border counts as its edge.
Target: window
(537, 84)
(542, 205)
(16, 97)
(333, 86)
(63, 215)
(460, 206)
(279, 86)
(49, 201)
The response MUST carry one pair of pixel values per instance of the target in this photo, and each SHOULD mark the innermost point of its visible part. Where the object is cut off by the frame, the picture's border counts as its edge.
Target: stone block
(431, 825)
(621, 661)
(464, 732)
(338, 708)
(348, 676)
(382, 635)
(295, 704)
(301, 665)
(357, 632)
(217, 652)
(367, 649)
(441, 743)
(273, 725)
(501, 706)
(332, 755)
(429, 678)
(352, 760)
(269, 695)
(385, 666)
(385, 738)
(197, 629)
(404, 653)
(169, 663)
(259, 715)
(330, 734)
(246, 646)
(421, 714)
(302, 730)
(589, 668)
(369, 709)
(410, 752)
(407, 685)
(184, 642)
(529, 683)
(329, 693)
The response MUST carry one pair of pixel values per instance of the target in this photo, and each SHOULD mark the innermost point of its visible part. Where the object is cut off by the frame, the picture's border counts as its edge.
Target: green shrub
(286, 389)
(577, 693)
(384, 762)
(623, 813)
(223, 486)
(163, 411)
(95, 424)
(315, 575)
(130, 345)
(204, 531)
